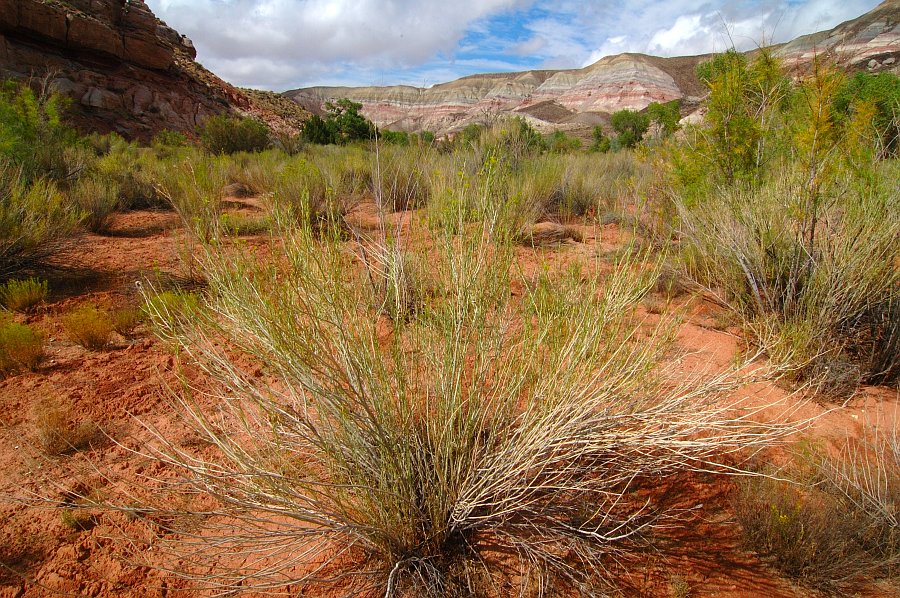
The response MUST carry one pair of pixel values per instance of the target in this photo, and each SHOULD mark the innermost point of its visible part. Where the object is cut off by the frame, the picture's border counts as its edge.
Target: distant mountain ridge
(577, 99)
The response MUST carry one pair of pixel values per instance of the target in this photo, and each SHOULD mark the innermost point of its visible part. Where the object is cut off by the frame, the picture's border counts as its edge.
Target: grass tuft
(89, 326)
(23, 295)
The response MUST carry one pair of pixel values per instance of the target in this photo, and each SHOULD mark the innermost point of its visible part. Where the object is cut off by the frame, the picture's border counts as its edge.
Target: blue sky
(284, 44)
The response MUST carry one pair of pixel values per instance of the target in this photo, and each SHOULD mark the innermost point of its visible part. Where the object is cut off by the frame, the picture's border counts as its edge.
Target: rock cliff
(125, 70)
(576, 99)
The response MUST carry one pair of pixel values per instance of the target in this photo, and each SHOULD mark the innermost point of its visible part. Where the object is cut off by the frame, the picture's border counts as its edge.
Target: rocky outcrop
(125, 70)
(577, 99)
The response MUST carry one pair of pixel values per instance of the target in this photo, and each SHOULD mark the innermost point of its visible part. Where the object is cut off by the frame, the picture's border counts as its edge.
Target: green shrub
(227, 135)
(89, 326)
(630, 126)
(20, 347)
(98, 198)
(36, 221)
(32, 133)
(126, 319)
(23, 295)
(168, 309)
(169, 138)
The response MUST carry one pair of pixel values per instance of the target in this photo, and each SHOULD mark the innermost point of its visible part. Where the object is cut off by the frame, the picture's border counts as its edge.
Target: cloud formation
(281, 44)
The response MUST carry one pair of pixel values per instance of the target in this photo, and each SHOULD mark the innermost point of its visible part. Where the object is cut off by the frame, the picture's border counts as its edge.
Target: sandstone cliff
(576, 99)
(125, 70)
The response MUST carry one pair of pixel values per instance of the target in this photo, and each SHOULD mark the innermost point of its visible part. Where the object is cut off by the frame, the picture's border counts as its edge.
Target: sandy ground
(40, 555)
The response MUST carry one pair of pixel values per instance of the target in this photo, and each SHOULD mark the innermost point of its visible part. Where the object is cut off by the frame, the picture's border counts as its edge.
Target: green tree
(630, 126)
(319, 131)
(882, 93)
(665, 115)
(349, 124)
(601, 141)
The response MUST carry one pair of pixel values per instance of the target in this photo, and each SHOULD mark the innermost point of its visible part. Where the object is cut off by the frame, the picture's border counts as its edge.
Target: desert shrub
(400, 181)
(59, 431)
(226, 135)
(32, 133)
(126, 319)
(89, 326)
(21, 347)
(288, 142)
(302, 196)
(170, 308)
(804, 532)
(836, 520)
(560, 143)
(167, 138)
(255, 173)
(23, 295)
(414, 453)
(812, 301)
(98, 198)
(135, 172)
(244, 224)
(194, 189)
(348, 171)
(36, 220)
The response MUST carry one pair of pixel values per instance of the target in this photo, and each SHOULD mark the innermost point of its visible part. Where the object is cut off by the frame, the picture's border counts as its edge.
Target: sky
(286, 44)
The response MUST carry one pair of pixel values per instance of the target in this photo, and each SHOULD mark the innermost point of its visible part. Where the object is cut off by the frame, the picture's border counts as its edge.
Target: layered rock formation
(125, 70)
(576, 99)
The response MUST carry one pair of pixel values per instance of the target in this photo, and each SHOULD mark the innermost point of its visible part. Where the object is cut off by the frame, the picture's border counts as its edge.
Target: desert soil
(117, 388)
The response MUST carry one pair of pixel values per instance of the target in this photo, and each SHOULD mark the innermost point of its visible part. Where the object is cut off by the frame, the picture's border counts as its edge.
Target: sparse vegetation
(23, 295)
(89, 326)
(59, 431)
(21, 347)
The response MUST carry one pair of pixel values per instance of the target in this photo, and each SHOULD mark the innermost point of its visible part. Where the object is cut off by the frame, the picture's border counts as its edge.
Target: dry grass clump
(21, 347)
(821, 291)
(401, 461)
(401, 181)
(98, 198)
(36, 221)
(58, 430)
(836, 525)
(23, 295)
(89, 326)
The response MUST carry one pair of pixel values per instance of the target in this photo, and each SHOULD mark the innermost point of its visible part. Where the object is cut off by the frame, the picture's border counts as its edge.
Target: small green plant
(77, 520)
(174, 308)
(59, 432)
(23, 295)
(126, 319)
(21, 347)
(89, 326)
(98, 198)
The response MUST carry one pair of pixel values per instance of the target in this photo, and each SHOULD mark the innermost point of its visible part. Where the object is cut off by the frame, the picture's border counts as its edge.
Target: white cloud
(306, 37)
(279, 44)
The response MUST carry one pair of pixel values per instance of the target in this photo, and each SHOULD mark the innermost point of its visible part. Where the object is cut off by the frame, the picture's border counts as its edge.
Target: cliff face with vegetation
(578, 98)
(124, 69)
